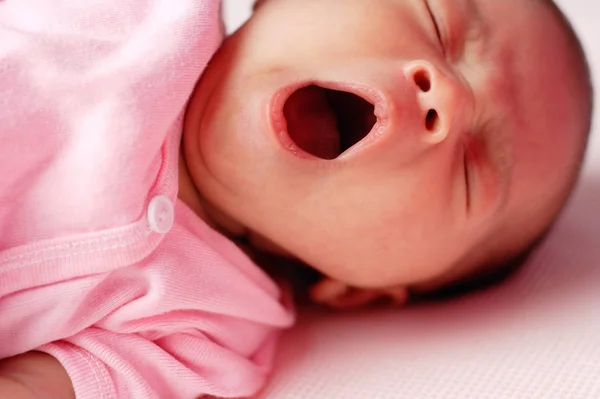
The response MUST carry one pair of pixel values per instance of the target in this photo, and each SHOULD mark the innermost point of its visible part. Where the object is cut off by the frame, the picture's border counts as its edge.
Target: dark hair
(495, 272)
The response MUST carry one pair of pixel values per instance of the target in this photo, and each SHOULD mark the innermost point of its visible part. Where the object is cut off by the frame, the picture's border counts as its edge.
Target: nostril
(432, 121)
(422, 80)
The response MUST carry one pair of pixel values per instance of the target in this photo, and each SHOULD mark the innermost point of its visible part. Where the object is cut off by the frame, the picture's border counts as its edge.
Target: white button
(161, 214)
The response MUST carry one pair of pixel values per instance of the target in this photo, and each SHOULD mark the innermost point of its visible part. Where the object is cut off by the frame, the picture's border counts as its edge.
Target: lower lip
(279, 124)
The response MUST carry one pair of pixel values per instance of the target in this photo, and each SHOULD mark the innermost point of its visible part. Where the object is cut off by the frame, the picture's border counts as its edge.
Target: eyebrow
(501, 138)
(495, 133)
(499, 149)
(477, 26)
(473, 6)
(472, 25)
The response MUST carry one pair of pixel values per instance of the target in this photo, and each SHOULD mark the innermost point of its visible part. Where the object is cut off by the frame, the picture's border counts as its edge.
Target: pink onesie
(100, 265)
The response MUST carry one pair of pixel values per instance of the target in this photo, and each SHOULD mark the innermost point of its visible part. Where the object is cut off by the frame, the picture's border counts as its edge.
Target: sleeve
(174, 325)
(178, 366)
(91, 92)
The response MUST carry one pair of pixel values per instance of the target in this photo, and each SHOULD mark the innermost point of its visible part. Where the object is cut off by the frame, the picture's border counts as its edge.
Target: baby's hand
(340, 296)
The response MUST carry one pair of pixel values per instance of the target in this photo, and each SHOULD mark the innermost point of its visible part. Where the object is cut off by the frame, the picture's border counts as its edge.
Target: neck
(274, 260)
(188, 193)
(235, 231)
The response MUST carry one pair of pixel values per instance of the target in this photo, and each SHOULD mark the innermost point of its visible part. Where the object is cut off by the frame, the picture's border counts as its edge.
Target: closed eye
(438, 31)
(467, 176)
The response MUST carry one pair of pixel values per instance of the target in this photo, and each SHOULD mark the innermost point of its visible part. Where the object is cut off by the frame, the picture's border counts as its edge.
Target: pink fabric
(92, 99)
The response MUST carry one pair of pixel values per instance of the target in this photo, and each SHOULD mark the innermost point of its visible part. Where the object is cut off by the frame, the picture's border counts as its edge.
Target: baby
(395, 146)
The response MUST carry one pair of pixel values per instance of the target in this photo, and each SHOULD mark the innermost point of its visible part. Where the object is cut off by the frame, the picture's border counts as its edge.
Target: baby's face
(393, 141)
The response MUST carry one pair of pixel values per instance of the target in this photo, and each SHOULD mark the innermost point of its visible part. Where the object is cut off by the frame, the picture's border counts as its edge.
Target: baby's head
(392, 142)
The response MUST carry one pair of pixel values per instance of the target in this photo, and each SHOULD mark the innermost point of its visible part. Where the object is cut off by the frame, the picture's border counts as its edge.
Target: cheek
(404, 239)
(374, 237)
(378, 260)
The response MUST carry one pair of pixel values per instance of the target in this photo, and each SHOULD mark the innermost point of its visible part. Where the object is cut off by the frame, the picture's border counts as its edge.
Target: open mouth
(325, 123)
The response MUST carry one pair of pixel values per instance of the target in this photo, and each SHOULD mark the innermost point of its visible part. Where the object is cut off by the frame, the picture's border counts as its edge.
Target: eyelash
(466, 170)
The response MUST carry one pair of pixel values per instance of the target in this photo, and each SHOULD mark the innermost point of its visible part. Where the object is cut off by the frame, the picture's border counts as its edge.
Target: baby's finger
(398, 295)
(327, 290)
(355, 298)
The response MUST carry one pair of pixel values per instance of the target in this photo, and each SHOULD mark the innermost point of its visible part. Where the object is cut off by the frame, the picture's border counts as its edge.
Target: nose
(443, 100)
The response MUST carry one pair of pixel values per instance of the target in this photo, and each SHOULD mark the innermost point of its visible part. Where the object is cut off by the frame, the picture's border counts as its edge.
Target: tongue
(312, 124)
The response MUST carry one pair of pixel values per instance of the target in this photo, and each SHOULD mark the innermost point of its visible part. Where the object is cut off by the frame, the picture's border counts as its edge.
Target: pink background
(538, 336)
